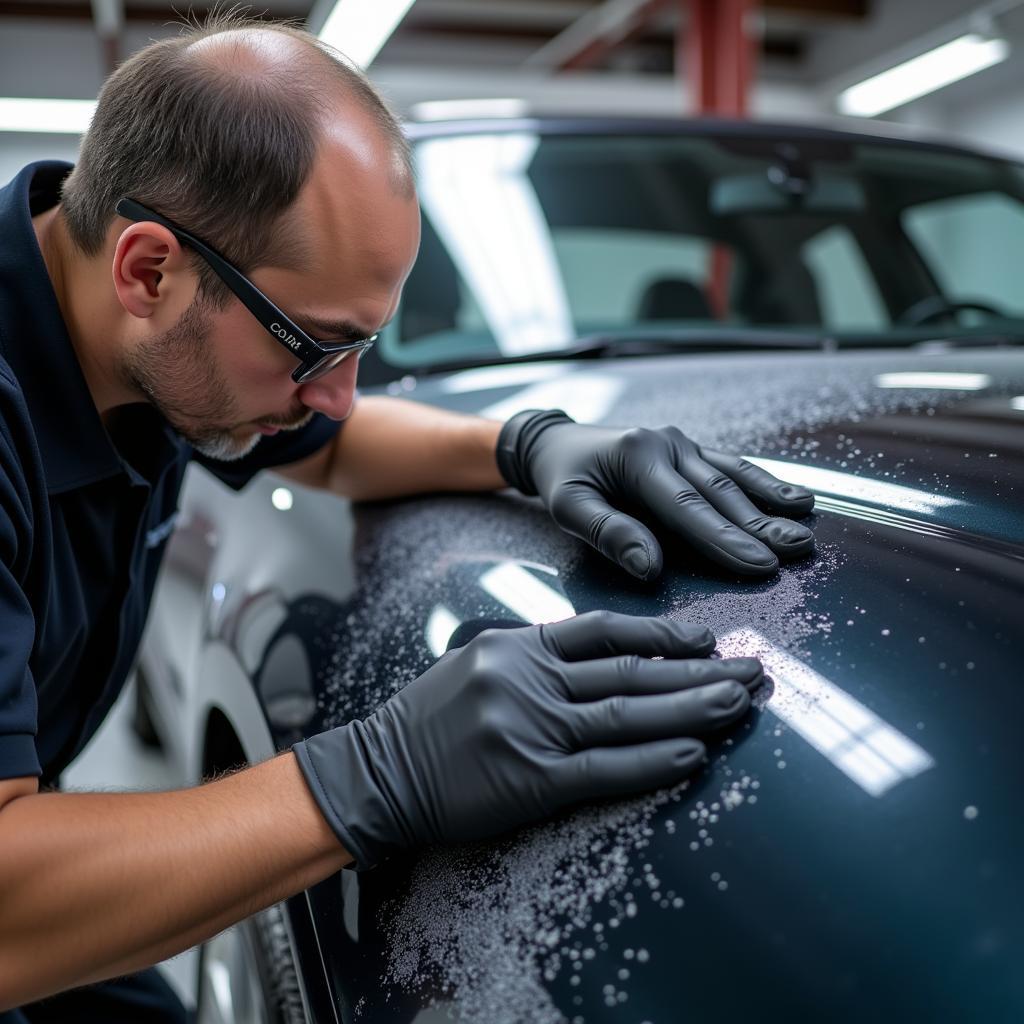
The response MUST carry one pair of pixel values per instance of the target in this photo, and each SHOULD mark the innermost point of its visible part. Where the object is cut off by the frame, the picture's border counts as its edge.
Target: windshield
(531, 242)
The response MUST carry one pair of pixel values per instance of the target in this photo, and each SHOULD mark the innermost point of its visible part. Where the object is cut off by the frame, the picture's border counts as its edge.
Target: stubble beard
(176, 373)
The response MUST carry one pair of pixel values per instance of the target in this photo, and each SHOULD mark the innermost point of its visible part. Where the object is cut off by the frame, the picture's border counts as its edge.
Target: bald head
(349, 107)
(220, 130)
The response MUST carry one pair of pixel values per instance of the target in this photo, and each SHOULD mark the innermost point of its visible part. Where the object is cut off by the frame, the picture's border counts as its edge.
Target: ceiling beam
(415, 28)
(611, 24)
(590, 38)
(524, 18)
(552, 15)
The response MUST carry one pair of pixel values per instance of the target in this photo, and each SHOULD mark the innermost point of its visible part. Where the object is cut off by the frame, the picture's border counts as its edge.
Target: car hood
(853, 849)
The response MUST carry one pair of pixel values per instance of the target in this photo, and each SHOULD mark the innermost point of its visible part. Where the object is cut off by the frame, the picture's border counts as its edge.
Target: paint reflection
(934, 380)
(478, 195)
(523, 593)
(859, 488)
(441, 624)
(863, 746)
(586, 397)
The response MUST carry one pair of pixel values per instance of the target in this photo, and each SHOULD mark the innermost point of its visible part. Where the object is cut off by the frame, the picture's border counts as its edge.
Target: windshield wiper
(608, 345)
(659, 342)
(969, 341)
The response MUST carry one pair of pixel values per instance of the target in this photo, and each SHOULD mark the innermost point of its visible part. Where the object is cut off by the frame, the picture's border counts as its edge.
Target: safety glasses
(316, 358)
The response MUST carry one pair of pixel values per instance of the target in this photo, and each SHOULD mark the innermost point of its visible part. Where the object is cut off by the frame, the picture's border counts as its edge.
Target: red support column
(716, 49)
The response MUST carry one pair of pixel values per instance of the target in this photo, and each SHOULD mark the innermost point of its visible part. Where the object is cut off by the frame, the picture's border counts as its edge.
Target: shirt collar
(75, 447)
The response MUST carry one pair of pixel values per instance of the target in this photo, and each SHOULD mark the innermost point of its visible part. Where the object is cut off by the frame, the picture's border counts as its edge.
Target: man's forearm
(391, 447)
(95, 885)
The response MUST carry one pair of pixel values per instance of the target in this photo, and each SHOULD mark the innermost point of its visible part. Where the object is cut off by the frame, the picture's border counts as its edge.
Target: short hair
(223, 152)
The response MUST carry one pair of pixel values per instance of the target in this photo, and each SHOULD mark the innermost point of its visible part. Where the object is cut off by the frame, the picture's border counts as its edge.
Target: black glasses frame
(316, 358)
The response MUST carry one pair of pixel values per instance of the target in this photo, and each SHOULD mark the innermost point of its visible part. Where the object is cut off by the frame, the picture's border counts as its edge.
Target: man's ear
(151, 270)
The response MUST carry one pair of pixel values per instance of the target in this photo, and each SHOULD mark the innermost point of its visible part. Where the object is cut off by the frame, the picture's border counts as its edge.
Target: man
(241, 221)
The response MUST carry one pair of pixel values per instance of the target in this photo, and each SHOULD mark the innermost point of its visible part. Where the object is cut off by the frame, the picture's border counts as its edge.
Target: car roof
(836, 129)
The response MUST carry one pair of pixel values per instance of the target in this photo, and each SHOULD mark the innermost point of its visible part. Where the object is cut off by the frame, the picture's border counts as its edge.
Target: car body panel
(865, 830)
(852, 851)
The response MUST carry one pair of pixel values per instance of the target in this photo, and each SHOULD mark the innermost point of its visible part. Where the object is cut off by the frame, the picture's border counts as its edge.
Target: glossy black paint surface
(839, 903)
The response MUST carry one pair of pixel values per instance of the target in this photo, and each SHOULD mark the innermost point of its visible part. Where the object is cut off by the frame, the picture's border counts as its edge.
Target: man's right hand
(520, 723)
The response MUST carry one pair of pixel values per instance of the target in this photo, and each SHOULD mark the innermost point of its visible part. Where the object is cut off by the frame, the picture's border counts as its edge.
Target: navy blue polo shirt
(84, 514)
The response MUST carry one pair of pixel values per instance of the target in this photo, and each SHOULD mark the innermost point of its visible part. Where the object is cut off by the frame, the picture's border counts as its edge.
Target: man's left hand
(586, 475)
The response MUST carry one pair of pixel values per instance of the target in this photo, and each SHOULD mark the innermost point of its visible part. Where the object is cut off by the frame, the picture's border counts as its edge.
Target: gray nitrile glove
(522, 722)
(585, 475)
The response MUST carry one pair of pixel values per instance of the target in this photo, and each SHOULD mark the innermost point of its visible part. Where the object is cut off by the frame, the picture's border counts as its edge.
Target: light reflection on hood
(860, 744)
(860, 488)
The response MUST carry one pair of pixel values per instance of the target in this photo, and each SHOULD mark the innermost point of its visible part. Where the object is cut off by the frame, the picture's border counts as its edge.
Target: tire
(247, 974)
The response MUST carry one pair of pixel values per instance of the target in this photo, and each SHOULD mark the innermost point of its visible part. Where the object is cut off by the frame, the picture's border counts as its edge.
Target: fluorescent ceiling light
(921, 75)
(359, 28)
(49, 117)
(1017, 403)
(941, 381)
(445, 110)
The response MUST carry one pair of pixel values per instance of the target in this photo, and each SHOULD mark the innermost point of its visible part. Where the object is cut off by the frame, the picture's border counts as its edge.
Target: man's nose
(332, 393)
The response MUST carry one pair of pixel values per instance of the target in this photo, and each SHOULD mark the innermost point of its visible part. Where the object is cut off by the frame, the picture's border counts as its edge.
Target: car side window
(848, 294)
(606, 278)
(615, 278)
(974, 246)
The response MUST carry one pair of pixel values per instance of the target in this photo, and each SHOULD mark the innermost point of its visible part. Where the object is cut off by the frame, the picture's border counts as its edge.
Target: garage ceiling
(496, 33)
(499, 47)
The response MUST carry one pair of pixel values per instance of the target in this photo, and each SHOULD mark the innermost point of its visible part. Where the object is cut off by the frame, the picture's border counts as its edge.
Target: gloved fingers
(604, 634)
(635, 676)
(692, 712)
(783, 536)
(620, 771)
(582, 511)
(775, 494)
(681, 507)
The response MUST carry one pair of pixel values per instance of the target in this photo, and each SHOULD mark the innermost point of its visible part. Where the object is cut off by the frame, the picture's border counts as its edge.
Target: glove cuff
(516, 440)
(338, 771)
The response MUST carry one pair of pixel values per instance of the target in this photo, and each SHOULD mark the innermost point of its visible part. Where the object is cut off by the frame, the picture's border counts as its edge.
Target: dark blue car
(846, 311)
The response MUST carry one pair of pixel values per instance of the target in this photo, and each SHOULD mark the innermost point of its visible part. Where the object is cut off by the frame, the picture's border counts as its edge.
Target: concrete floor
(115, 759)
